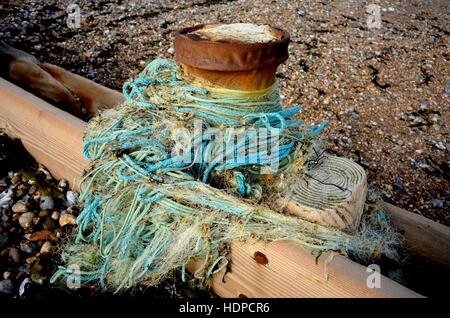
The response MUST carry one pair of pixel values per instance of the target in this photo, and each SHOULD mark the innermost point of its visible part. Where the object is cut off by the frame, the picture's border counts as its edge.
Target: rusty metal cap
(202, 52)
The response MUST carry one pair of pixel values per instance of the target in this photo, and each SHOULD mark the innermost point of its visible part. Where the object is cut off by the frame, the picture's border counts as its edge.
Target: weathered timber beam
(423, 236)
(285, 269)
(54, 138)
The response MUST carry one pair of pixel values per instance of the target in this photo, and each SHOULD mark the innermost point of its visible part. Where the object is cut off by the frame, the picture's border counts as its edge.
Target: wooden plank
(423, 236)
(291, 271)
(53, 137)
(95, 97)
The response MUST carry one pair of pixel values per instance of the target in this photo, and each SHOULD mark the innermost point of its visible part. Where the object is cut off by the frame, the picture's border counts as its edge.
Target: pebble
(32, 189)
(43, 235)
(4, 239)
(16, 179)
(72, 198)
(6, 287)
(19, 207)
(46, 203)
(24, 271)
(4, 218)
(43, 213)
(47, 174)
(6, 198)
(439, 204)
(26, 220)
(49, 224)
(7, 275)
(55, 215)
(398, 183)
(424, 105)
(46, 248)
(440, 145)
(23, 286)
(62, 184)
(37, 273)
(67, 218)
(3, 185)
(28, 247)
(14, 254)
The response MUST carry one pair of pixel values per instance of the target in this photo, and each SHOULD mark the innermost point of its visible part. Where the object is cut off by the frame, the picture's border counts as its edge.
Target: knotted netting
(157, 196)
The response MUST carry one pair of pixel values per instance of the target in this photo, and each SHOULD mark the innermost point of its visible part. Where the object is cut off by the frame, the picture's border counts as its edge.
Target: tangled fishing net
(157, 196)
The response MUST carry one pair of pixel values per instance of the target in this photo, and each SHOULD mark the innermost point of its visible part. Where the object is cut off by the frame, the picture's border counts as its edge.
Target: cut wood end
(332, 194)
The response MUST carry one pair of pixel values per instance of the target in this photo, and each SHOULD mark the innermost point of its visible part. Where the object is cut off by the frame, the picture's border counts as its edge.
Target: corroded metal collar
(204, 53)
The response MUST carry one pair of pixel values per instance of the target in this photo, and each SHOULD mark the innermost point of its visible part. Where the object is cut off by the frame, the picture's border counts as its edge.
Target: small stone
(398, 183)
(15, 230)
(37, 273)
(24, 271)
(25, 179)
(14, 254)
(67, 218)
(16, 179)
(5, 218)
(26, 220)
(28, 247)
(44, 170)
(91, 75)
(55, 215)
(46, 248)
(424, 105)
(32, 189)
(6, 198)
(43, 213)
(19, 207)
(31, 260)
(7, 275)
(3, 185)
(46, 203)
(6, 287)
(439, 204)
(72, 198)
(62, 184)
(44, 235)
(72, 209)
(4, 239)
(23, 286)
(171, 50)
(49, 224)
(440, 145)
